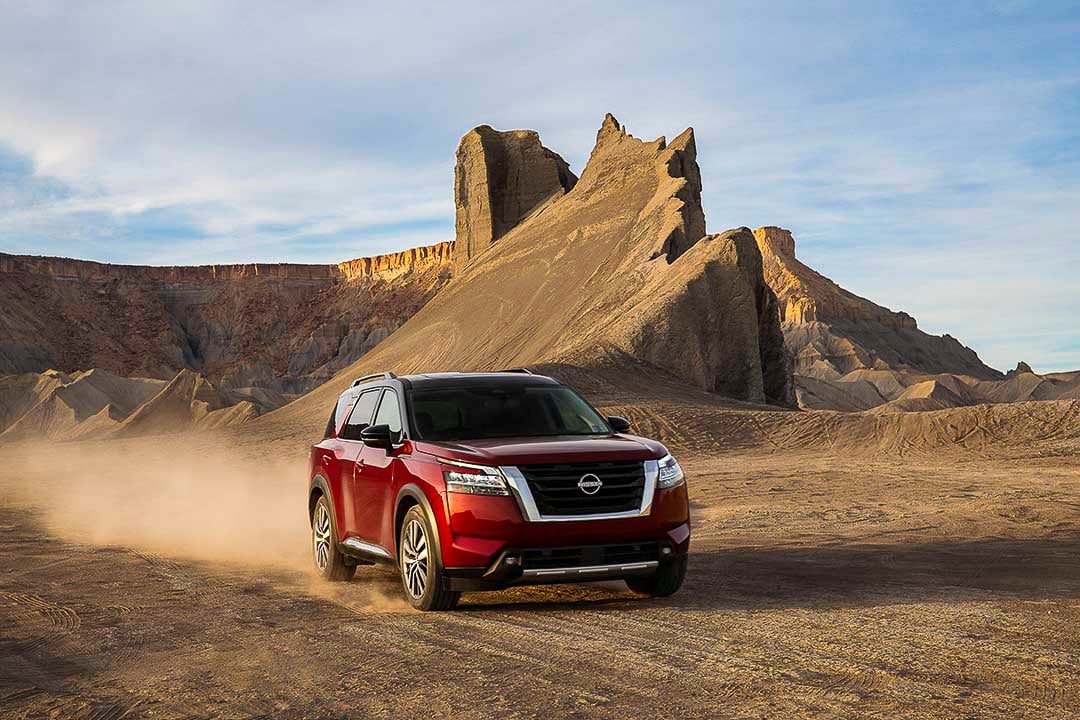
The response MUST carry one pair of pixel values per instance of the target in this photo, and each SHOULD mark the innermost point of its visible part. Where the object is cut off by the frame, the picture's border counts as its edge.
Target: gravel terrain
(821, 584)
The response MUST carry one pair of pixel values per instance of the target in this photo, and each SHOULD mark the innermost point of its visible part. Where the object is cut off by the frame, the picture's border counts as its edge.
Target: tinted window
(331, 424)
(338, 414)
(389, 412)
(463, 413)
(360, 417)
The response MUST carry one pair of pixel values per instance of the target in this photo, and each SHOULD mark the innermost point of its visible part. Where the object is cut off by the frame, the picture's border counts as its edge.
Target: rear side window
(338, 414)
(360, 417)
(389, 412)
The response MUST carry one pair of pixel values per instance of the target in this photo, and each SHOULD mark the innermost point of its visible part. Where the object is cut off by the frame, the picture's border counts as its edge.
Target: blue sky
(926, 155)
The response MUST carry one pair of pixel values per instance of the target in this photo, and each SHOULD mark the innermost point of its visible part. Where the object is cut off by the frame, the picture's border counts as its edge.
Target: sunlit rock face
(279, 328)
(499, 179)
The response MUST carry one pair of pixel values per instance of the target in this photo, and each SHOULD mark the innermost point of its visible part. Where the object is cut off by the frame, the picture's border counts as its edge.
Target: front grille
(555, 487)
(589, 555)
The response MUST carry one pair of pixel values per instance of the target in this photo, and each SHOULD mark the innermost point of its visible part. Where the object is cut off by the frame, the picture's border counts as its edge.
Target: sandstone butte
(615, 277)
(831, 331)
(499, 179)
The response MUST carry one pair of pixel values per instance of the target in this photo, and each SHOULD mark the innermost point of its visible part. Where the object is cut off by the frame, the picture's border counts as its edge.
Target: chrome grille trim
(519, 488)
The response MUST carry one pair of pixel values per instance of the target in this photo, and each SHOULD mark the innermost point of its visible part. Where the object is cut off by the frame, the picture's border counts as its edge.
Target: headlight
(471, 479)
(671, 475)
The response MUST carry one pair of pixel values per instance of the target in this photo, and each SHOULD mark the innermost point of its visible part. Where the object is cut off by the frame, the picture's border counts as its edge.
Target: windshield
(469, 413)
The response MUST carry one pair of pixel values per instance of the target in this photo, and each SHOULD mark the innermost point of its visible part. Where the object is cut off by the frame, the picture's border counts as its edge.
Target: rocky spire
(499, 179)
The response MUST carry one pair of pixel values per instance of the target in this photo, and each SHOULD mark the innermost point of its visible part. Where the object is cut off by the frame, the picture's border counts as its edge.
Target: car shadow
(836, 575)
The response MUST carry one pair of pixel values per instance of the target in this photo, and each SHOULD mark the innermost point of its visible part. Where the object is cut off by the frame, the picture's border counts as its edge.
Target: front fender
(437, 517)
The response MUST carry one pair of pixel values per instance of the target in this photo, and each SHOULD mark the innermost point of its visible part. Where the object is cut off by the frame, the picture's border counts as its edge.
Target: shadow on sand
(838, 576)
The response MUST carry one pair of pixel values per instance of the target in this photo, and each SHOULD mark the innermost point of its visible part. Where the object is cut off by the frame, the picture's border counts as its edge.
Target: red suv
(480, 481)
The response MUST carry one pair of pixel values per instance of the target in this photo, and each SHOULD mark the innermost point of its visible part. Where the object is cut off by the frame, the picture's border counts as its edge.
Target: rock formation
(189, 401)
(615, 278)
(96, 403)
(1020, 369)
(266, 331)
(499, 179)
(714, 321)
(831, 332)
(776, 364)
(852, 355)
(614, 283)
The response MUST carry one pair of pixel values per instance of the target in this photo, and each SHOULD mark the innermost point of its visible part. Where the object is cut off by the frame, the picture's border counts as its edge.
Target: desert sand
(825, 581)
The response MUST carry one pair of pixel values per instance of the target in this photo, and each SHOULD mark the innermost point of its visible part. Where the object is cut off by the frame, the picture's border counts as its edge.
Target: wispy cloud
(926, 156)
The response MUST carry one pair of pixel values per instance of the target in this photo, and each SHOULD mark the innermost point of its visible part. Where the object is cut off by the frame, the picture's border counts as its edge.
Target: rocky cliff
(89, 270)
(281, 328)
(852, 354)
(390, 264)
(807, 296)
(831, 332)
(499, 178)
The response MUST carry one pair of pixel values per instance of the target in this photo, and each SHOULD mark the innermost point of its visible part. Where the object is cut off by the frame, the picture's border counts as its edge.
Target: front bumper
(489, 544)
(588, 563)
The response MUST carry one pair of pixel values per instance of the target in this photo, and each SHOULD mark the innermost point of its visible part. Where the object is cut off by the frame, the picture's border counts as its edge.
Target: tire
(330, 563)
(664, 582)
(422, 579)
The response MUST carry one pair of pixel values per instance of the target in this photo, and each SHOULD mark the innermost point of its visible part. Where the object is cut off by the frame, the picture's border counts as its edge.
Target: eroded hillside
(852, 354)
(280, 327)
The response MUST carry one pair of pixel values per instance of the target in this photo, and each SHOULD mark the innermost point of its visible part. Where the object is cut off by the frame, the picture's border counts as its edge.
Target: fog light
(510, 560)
(665, 550)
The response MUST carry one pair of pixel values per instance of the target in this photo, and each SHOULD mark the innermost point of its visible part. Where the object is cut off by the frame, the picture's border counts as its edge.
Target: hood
(545, 450)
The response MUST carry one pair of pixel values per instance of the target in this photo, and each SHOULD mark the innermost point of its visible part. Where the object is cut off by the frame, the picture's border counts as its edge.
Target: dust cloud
(176, 498)
(182, 498)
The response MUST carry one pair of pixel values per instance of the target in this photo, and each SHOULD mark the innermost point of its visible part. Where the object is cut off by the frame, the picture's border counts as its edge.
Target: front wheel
(421, 573)
(330, 563)
(667, 580)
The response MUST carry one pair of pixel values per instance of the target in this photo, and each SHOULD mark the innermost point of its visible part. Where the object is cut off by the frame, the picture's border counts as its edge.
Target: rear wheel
(421, 573)
(330, 563)
(665, 581)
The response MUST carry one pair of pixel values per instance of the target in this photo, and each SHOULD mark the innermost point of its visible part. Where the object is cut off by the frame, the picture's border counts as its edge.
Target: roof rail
(376, 376)
(526, 371)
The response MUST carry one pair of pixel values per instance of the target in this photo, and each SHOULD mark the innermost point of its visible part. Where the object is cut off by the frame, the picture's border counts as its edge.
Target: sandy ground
(820, 585)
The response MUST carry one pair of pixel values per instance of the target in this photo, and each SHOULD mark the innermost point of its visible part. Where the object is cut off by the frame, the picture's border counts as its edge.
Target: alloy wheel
(414, 558)
(320, 531)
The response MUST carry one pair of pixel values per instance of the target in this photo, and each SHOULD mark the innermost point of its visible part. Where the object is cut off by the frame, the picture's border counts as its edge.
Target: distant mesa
(378, 265)
(271, 331)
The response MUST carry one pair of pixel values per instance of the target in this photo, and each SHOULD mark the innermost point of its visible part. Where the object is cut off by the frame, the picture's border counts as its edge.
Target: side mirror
(378, 436)
(618, 424)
